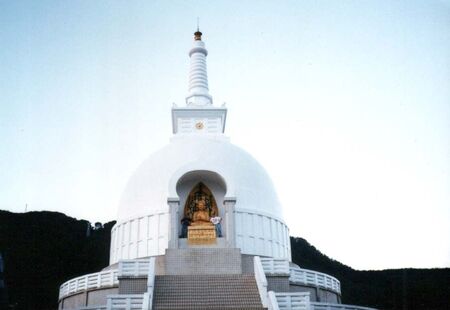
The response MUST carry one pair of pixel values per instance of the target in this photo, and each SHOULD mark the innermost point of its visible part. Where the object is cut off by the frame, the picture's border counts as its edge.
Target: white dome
(156, 178)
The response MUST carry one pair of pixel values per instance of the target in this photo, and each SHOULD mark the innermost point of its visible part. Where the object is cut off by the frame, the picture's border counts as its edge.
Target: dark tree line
(41, 250)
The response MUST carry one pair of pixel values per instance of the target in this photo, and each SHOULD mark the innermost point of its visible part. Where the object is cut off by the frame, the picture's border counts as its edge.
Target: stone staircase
(230, 291)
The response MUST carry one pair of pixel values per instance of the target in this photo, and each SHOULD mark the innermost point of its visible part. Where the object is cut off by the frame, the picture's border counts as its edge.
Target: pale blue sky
(346, 103)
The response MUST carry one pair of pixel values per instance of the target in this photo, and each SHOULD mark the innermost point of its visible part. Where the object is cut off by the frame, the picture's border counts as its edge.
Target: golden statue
(201, 215)
(200, 207)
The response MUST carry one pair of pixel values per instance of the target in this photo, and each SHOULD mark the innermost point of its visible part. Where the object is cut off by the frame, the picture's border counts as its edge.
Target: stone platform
(203, 261)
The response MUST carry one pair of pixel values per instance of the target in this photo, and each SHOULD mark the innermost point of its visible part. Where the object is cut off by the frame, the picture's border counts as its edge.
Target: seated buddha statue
(201, 215)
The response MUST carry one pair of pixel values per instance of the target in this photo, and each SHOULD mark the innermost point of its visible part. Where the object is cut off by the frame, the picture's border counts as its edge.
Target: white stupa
(173, 198)
(199, 152)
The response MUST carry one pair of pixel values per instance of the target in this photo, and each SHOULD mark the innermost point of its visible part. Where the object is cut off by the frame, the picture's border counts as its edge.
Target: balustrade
(89, 281)
(125, 302)
(314, 278)
(133, 267)
(293, 301)
(299, 275)
(275, 266)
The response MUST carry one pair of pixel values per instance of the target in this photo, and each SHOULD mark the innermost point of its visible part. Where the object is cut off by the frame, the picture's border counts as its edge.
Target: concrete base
(132, 285)
(278, 284)
(203, 261)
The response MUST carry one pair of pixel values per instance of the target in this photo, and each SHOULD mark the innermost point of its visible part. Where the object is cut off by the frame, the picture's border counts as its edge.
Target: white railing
(328, 306)
(133, 267)
(293, 301)
(314, 278)
(261, 280)
(272, 303)
(93, 308)
(275, 266)
(125, 302)
(89, 281)
(148, 296)
(146, 301)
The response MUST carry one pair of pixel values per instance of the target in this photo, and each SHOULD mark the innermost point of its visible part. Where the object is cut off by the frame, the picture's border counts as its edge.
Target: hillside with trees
(383, 289)
(41, 250)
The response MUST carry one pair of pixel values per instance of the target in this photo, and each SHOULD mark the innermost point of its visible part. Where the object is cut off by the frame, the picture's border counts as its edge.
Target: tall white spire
(198, 77)
(199, 117)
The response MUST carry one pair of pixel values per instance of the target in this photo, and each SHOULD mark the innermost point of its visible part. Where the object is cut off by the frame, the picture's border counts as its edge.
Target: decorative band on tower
(198, 77)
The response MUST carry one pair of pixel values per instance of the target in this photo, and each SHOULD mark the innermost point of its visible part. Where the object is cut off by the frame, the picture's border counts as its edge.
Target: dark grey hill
(41, 250)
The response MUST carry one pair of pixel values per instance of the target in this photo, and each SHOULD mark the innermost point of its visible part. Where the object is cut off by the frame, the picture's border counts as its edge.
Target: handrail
(272, 303)
(93, 280)
(329, 306)
(275, 266)
(133, 267)
(315, 278)
(261, 280)
(148, 296)
(293, 301)
(125, 302)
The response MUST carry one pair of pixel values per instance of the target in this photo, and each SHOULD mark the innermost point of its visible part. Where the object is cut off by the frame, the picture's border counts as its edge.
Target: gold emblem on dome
(199, 125)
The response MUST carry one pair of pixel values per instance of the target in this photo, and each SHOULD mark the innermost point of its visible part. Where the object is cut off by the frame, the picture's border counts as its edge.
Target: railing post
(308, 301)
(229, 203)
(135, 271)
(174, 204)
(148, 304)
(120, 269)
(261, 280)
(272, 303)
(109, 304)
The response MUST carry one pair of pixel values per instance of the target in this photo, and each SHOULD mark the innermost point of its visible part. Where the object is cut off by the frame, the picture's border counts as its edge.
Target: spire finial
(198, 34)
(198, 78)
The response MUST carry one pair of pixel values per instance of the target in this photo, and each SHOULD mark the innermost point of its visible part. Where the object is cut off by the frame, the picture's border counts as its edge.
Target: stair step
(237, 291)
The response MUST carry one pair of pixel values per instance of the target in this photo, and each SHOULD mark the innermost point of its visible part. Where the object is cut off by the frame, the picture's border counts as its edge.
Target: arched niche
(211, 180)
(200, 192)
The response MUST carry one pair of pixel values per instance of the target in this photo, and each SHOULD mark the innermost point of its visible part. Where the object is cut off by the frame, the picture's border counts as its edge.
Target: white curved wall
(140, 237)
(255, 234)
(261, 234)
